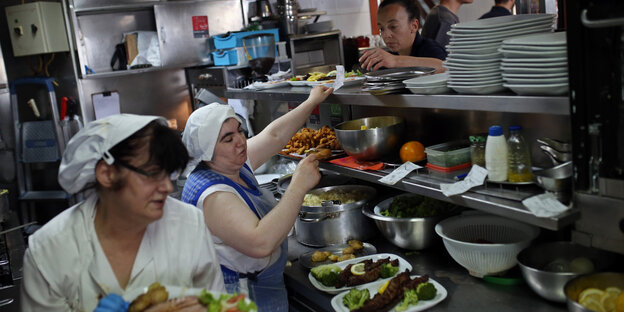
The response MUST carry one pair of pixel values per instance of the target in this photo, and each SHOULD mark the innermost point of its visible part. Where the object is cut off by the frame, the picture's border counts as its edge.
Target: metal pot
(334, 222)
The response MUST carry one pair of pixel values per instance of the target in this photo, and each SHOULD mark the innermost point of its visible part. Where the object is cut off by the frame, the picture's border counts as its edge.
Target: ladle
(556, 156)
(558, 145)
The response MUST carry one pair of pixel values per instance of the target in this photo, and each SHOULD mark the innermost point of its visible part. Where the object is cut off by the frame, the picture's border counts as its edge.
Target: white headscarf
(93, 143)
(202, 132)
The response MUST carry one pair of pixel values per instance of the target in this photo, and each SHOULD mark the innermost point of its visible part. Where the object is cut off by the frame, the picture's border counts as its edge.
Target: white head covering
(92, 143)
(202, 132)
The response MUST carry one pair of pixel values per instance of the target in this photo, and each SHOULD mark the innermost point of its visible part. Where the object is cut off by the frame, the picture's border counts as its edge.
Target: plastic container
(518, 157)
(225, 57)
(235, 39)
(449, 154)
(496, 154)
(477, 150)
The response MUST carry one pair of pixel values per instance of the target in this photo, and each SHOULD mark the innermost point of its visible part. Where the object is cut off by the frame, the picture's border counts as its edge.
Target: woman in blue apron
(248, 227)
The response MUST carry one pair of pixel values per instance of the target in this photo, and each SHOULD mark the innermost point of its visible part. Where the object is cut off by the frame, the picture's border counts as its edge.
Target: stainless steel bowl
(555, 179)
(539, 262)
(382, 136)
(574, 287)
(408, 233)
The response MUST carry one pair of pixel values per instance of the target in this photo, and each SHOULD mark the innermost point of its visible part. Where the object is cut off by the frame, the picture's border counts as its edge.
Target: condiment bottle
(477, 150)
(518, 157)
(496, 154)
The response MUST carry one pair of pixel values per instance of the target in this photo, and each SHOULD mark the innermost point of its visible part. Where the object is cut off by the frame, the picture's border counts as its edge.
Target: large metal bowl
(382, 136)
(538, 264)
(408, 233)
(574, 287)
(555, 179)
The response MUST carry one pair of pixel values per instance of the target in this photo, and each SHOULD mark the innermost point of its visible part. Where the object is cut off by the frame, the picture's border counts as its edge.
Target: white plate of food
(184, 298)
(403, 265)
(374, 288)
(298, 83)
(269, 84)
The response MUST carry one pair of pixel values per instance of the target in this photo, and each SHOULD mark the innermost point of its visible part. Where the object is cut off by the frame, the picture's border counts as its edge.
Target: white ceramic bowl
(485, 244)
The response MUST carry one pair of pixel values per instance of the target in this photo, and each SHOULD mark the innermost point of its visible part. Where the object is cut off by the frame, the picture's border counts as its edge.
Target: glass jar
(477, 150)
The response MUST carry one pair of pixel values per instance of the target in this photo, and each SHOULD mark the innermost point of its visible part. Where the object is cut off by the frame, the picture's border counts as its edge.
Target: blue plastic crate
(235, 39)
(225, 57)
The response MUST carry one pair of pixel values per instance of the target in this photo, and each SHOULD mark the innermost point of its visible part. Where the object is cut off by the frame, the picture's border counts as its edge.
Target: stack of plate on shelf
(387, 81)
(432, 84)
(474, 57)
(536, 64)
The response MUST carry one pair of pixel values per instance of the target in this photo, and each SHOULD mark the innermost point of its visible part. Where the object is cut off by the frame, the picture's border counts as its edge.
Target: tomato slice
(236, 299)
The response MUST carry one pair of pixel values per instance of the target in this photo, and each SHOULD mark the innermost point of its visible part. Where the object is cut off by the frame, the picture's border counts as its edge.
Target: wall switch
(36, 28)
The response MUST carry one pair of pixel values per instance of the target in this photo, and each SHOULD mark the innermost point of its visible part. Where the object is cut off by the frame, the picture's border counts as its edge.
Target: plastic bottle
(496, 154)
(518, 157)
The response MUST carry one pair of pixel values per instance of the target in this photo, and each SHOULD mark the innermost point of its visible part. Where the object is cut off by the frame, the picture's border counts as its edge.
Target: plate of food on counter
(401, 293)
(322, 142)
(268, 85)
(157, 297)
(316, 78)
(348, 274)
(336, 253)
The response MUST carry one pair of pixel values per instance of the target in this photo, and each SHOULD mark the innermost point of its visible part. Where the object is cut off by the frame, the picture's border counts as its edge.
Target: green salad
(416, 206)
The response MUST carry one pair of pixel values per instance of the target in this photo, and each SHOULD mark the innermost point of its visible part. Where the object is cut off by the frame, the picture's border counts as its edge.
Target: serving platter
(373, 287)
(306, 258)
(174, 292)
(403, 265)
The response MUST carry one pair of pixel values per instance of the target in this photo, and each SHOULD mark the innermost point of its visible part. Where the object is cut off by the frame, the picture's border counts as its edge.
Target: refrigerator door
(184, 29)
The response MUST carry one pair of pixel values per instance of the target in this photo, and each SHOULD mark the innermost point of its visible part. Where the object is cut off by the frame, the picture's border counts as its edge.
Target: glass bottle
(477, 150)
(519, 157)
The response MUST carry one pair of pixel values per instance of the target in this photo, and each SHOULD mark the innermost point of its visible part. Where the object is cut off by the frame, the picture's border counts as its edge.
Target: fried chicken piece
(348, 250)
(346, 257)
(319, 256)
(355, 244)
(333, 258)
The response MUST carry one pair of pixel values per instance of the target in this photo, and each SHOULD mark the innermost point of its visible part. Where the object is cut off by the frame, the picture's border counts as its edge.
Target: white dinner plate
(298, 83)
(441, 293)
(428, 80)
(269, 85)
(534, 64)
(173, 291)
(505, 21)
(535, 80)
(430, 90)
(473, 45)
(475, 68)
(521, 75)
(475, 83)
(527, 54)
(473, 62)
(467, 56)
(539, 89)
(547, 39)
(403, 265)
(534, 70)
(494, 30)
(546, 27)
(485, 89)
(534, 60)
(473, 80)
(510, 47)
(474, 50)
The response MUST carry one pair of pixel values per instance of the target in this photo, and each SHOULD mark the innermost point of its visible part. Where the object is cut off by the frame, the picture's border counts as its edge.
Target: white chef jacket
(65, 268)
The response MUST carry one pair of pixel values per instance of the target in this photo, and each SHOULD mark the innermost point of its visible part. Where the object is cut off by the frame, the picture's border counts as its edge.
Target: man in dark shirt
(500, 8)
(398, 24)
(440, 18)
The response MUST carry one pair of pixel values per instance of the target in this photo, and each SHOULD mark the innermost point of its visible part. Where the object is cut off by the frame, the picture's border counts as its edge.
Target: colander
(485, 244)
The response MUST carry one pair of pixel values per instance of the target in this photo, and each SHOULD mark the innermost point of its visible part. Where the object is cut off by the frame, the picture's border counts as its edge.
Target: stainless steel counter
(465, 293)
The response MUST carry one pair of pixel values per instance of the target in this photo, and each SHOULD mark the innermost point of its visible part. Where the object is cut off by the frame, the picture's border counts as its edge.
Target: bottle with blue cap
(519, 157)
(496, 154)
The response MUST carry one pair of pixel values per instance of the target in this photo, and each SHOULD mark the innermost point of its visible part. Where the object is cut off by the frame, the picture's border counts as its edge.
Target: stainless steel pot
(334, 222)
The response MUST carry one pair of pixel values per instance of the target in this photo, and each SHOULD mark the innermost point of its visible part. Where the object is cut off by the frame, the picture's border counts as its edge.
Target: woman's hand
(112, 303)
(319, 94)
(374, 59)
(306, 174)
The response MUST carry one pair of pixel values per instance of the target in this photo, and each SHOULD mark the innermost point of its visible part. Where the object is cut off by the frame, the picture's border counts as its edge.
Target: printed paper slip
(475, 177)
(399, 173)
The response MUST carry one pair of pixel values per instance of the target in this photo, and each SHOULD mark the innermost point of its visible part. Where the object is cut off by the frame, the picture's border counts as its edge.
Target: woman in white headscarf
(128, 233)
(249, 228)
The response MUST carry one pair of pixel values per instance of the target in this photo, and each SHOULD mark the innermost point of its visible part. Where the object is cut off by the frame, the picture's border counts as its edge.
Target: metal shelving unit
(506, 102)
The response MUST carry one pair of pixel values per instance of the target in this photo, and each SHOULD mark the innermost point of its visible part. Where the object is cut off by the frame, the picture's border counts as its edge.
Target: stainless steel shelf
(493, 199)
(115, 8)
(504, 102)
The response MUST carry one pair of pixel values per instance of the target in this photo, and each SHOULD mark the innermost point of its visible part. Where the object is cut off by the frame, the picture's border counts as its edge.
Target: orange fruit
(412, 151)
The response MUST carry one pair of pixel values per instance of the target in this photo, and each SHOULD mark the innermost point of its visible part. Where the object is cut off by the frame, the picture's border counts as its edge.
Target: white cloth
(92, 143)
(202, 132)
(65, 268)
(228, 256)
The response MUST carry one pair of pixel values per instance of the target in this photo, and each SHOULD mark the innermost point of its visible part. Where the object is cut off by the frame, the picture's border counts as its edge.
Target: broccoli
(326, 274)
(426, 291)
(416, 206)
(355, 298)
(409, 298)
(387, 270)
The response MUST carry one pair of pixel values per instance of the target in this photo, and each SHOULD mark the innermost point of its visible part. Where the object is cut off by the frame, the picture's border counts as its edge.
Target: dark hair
(500, 1)
(410, 6)
(166, 150)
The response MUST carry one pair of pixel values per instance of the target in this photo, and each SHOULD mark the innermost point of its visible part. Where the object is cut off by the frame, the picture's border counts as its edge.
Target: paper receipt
(475, 177)
(340, 76)
(399, 173)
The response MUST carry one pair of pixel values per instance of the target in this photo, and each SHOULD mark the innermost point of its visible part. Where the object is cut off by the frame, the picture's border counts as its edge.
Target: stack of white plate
(432, 84)
(536, 64)
(474, 60)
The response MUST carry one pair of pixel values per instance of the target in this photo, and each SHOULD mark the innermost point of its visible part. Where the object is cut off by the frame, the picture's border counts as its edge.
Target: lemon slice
(358, 269)
(592, 304)
(608, 300)
(383, 287)
(593, 293)
(619, 303)
(616, 291)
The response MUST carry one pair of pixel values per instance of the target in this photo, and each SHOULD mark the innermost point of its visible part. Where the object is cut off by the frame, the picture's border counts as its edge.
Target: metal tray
(404, 73)
(305, 258)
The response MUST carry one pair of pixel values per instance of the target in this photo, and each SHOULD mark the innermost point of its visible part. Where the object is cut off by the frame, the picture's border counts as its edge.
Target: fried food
(333, 258)
(319, 256)
(356, 244)
(155, 294)
(346, 257)
(321, 153)
(308, 138)
(349, 250)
